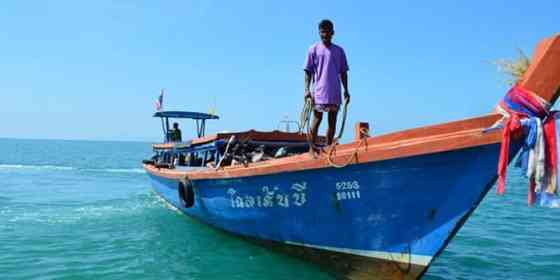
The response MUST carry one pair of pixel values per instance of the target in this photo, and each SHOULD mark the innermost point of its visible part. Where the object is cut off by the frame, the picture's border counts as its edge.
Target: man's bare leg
(317, 118)
(332, 127)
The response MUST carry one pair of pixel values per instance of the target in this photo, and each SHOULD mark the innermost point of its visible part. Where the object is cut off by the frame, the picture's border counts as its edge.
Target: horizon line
(77, 139)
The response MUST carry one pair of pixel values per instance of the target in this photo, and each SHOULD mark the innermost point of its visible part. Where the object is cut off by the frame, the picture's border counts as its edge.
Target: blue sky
(92, 69)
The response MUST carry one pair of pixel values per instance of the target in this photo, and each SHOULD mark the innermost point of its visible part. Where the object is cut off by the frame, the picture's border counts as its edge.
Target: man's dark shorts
(326, 107)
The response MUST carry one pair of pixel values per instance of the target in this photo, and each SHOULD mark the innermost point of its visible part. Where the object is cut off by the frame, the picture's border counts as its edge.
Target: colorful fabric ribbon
(524, 111)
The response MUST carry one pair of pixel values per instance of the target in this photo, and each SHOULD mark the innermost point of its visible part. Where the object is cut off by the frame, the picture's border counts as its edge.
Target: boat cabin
(220, 149)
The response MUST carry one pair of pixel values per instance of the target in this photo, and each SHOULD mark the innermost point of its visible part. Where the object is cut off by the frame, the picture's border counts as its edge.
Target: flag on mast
(212, 110)
(159, 101)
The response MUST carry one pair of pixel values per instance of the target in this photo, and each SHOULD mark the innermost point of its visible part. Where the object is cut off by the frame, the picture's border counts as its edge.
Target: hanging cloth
(527, 115)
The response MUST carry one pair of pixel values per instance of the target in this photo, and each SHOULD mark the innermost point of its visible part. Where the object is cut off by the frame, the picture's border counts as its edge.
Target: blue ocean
(85, 210)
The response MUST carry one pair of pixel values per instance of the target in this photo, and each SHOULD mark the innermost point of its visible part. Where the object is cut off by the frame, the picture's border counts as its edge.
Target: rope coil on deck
(332, 151)
(305, 120)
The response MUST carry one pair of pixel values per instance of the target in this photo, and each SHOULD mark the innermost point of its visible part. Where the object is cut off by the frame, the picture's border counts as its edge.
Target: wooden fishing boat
(386, 215)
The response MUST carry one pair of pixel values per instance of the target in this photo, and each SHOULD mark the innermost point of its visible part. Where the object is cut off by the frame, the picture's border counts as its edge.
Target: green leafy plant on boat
(515, 69)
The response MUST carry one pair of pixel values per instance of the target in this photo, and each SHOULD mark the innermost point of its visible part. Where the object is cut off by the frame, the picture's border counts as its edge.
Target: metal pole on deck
(166, 129)
(203, 127)
(163, 128)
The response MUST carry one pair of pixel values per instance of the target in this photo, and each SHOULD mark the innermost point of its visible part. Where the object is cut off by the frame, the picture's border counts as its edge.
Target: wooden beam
(543, 75)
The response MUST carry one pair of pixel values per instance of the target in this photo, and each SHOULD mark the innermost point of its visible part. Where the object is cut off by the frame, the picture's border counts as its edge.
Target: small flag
(212, 110)
(159, 101)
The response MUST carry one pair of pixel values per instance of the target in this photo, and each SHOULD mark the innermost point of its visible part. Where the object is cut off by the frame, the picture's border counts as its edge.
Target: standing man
(327, 67)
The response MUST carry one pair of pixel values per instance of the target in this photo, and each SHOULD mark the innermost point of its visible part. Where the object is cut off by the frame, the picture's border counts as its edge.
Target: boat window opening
(200, 161)
(181, 161)
(210, 159)
(192, 159)
(195, 159)
(188, 159)
(209, 154)
(204, 157)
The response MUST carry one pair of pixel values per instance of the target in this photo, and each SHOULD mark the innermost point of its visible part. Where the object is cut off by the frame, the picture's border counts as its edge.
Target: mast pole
(163, 129)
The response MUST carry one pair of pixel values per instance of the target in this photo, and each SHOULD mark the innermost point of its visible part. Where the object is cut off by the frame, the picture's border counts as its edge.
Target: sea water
(85, 210)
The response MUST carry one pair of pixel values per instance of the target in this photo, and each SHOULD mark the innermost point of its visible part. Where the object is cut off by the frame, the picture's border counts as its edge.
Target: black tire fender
(186, 193)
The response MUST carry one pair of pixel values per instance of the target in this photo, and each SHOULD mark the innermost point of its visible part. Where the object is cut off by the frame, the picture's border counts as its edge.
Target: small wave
(117, 170)
(113, 209)
(38, 167)
(57, 167)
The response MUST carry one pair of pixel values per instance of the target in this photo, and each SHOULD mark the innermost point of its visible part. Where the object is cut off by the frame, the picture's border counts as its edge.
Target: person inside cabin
(210, 159)
(181, 159)
(175, 133)
(188, 159)
(326, 67)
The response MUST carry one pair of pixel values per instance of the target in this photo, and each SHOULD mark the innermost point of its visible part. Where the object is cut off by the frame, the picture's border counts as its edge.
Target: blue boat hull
(389, 218)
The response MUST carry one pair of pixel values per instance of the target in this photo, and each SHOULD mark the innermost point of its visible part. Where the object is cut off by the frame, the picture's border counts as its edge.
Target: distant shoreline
(79, 140)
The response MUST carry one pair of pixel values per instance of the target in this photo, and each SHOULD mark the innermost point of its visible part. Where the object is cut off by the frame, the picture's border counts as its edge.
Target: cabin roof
(185, 115)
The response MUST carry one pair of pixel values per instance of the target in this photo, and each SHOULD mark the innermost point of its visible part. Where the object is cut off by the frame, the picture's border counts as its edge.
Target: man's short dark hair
(326, 24)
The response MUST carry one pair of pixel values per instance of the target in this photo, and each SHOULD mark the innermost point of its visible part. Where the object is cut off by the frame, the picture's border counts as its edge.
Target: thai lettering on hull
(270, 197)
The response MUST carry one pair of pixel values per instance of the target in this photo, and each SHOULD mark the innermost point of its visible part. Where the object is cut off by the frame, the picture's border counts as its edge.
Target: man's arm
(344, 80)
(306, 84)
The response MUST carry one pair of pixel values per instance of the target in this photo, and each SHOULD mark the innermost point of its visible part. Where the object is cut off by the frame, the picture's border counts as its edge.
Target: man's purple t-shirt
(326, 65)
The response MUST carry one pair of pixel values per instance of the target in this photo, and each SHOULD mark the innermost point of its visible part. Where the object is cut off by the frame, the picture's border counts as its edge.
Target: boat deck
(425, 140)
